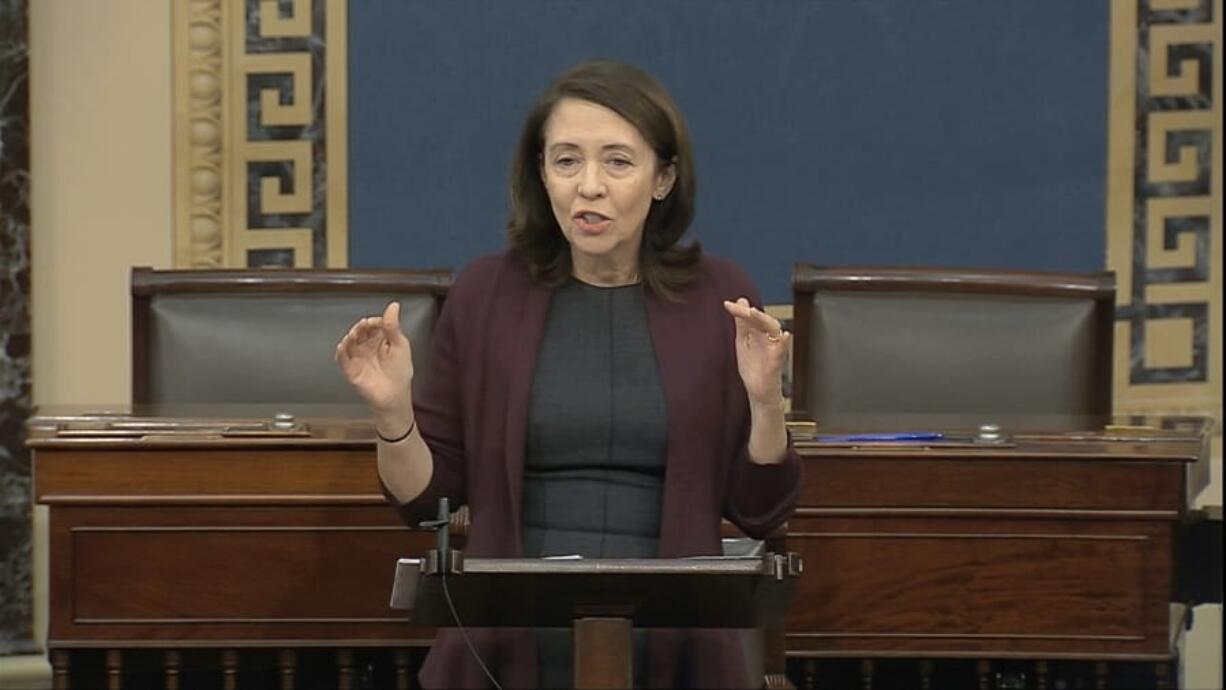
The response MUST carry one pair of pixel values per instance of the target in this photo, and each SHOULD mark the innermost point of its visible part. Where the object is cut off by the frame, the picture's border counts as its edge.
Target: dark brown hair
(664, 264)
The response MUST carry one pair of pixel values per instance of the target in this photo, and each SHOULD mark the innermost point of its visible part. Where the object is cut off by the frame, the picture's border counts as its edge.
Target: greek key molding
(1164, 224)
(260, 165)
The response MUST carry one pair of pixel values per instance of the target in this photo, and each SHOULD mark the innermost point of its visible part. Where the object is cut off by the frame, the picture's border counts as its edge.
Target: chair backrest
(264, 335)
(987, 346)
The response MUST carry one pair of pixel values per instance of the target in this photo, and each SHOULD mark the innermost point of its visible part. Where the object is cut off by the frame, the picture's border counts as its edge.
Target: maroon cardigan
(472, 411)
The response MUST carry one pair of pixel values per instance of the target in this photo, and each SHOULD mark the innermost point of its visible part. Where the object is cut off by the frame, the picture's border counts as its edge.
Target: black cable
(442, 527)
(456, 617)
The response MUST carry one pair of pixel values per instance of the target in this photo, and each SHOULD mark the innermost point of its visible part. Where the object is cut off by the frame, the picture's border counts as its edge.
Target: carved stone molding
(260, 155)
(199, 126)
(1164, 217)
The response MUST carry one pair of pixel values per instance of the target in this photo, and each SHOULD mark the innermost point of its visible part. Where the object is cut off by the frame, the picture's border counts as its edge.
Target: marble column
(16, 597)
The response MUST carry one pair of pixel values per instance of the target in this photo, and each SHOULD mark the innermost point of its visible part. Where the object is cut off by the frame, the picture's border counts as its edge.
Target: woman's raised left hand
(761, 348)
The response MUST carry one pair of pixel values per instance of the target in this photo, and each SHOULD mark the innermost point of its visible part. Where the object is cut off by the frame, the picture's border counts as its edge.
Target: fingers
(739, 316)
(740, 309)
(748, 316)
(371, 332)
(360, 334)
(391, 321)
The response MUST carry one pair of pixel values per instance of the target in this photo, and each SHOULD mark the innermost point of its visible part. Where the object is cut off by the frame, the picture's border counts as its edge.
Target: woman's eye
(566, 162)
(620, 163)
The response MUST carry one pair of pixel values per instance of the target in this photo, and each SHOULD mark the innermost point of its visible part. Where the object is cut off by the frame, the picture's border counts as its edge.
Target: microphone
(441, 525)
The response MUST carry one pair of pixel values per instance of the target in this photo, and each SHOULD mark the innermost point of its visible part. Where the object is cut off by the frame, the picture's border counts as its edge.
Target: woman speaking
(596, 388)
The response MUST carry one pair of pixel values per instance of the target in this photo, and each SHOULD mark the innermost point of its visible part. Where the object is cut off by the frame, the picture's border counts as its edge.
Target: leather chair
(264, 335)
(981, 346)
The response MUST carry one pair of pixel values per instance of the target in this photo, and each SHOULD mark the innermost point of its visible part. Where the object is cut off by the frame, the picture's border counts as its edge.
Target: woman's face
(601, 176)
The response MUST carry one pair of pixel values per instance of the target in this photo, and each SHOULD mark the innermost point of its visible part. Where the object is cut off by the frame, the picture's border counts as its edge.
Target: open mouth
(590, 221)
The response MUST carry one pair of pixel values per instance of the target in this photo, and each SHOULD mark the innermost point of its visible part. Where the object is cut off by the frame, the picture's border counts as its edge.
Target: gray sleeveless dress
(597, 444)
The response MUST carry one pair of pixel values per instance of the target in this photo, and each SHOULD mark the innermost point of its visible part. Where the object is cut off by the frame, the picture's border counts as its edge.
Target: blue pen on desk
(885, 437)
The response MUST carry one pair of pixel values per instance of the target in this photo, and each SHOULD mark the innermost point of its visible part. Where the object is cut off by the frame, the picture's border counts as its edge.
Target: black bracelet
(399, 438)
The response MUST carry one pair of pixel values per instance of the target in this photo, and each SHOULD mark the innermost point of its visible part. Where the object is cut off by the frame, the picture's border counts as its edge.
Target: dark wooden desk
(1049, 546)
(189, 536)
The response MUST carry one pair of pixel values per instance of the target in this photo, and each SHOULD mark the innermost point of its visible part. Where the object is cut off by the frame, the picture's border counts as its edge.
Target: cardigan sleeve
(758, 498)
(438, 409)
(762, 497)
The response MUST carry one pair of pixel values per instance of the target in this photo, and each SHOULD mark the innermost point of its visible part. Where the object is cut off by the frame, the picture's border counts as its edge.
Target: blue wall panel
(936, 132)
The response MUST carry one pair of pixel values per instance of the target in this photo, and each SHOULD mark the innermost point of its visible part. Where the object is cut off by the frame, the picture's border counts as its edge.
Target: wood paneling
(235, 574)
(945, 585)
(920, 480)
(195, 470)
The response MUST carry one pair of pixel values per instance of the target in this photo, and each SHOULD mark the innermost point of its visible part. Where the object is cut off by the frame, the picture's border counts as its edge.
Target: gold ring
(774, 337)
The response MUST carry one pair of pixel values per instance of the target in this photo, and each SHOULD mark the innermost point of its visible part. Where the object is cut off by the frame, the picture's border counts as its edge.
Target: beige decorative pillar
(1164, 238)
(1164, 198)
(260, 133)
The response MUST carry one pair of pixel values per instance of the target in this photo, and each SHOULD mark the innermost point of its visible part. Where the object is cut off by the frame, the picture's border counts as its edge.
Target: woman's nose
(591, 184)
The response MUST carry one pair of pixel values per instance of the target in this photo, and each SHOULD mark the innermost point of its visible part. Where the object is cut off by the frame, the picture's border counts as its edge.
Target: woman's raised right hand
(377, 360)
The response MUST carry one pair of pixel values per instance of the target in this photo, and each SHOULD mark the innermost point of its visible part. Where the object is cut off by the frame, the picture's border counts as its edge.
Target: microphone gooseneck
(442, 525)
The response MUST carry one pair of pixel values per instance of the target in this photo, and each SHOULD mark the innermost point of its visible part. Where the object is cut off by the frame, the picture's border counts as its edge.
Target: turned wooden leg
(925, 669)
(229, 669)
(401, 661)
(172, 663)
(808, 674)
(866, 674)
(114, 669)
(59, 669)
(287, 662)
(1100, 675)
(344, 669)
(984, 672)
(1162, 675)
(1040, 675)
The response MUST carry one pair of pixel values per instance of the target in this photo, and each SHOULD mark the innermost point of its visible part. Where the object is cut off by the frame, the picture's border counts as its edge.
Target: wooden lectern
(603, 599)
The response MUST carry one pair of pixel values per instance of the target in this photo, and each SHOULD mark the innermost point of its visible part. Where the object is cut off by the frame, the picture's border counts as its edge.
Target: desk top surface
(1176, 438)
